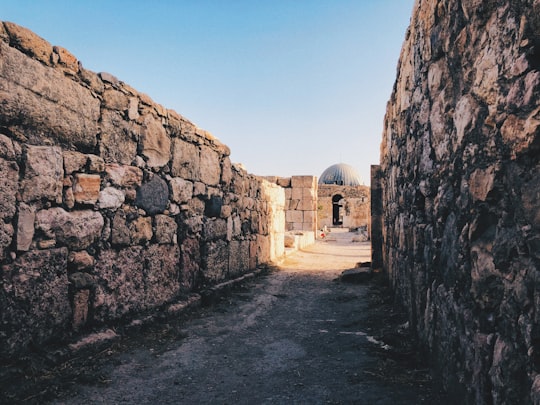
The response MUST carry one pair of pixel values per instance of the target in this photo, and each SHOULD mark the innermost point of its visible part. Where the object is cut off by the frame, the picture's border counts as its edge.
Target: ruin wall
(110, 204)
(355, 210)
(461, 193)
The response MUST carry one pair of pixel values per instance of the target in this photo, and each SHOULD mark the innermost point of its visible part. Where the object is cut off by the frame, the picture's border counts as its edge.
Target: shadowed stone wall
(110, 204)
(461, 193)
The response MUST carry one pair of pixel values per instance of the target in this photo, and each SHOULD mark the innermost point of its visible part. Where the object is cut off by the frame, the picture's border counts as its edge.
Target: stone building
(343, 200)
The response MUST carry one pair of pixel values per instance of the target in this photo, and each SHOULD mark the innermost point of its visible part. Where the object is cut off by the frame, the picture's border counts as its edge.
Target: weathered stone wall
(355, 210)
(461, 193)
(300, 202)
(111, 204)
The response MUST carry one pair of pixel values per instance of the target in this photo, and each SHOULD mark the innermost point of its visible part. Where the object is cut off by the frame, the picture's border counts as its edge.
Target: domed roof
(341, 174)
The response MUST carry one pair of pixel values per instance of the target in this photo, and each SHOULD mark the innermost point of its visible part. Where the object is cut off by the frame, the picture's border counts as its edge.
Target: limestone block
(309, 193)
(133, 108)
(153, 196)
(226, 211)
(307, 205)
(96, 164)
(215, 228)
(25, 226)
(297, 226)
(210, 168)
(115, 100)
(166, 229)
(190, 263)
(155, 142)
(215, 259)
(118, 138)
(124, 176)
(66, 59)
(86, 188)
(120, 288)
(481, 183)
(9, 172)
(120, 234)
(226, 171)
(310, 217)
(80, 308)
(44, 174)
(288, 193)
(80, 261)
(197, 206)
(74, 161)
(284, 182)
(35, 293)
(29, 43)
(111, 198)
(61, 110)
(253, 259)
(303, 181)
(77, 230)
(264, 248)
(521, 134)
(181, 190)
(199, 189)
(294, 216)
(140, 230)
(238, 257)
(162, 281)
(297, 193)
(186, 160)
(6, 237)
(69, 199)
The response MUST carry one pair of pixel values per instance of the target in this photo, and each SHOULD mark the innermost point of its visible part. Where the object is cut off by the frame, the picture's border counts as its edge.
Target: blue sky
(291, 86)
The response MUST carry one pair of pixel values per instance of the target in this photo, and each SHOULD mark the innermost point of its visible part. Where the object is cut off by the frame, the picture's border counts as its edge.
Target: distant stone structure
(460, 181)
(342, 199)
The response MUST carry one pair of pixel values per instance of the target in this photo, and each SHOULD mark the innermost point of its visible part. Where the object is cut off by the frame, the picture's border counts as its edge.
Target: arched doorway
(337, 215)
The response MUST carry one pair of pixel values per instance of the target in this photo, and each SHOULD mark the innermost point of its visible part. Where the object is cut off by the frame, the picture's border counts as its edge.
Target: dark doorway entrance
(337, 218)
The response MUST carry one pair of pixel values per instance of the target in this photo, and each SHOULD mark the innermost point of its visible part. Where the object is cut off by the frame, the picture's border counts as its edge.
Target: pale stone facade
(343, 206)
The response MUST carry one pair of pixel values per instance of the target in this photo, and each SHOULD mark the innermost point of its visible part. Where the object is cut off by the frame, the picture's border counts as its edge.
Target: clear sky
(291, 86)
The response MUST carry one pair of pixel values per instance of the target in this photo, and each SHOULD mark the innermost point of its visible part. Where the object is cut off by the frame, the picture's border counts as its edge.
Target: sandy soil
(295, 335)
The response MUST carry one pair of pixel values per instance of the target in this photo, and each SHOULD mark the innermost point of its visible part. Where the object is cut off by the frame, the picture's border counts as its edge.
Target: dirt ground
(296, 335)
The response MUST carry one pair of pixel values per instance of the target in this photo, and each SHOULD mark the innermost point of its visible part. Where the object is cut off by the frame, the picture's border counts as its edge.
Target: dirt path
(293, 336)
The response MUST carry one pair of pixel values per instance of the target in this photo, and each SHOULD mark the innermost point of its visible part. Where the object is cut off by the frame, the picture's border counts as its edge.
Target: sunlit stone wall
(111, 204)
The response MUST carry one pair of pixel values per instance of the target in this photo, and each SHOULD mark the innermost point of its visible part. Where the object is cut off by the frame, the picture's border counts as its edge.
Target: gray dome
(341, 174)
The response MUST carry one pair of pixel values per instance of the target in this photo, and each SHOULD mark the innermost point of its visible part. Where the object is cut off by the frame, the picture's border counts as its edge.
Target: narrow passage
(294, 336)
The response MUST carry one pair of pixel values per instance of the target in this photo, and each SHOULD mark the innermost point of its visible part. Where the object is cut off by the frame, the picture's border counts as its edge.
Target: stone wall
(354, 210)
(461, 193)
(300, 202)
(111, 205)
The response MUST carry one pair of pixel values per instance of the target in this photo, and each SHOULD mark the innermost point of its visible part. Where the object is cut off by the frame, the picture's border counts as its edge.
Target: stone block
(294, 216)
(111, 198)
(226, 171)
(80, 261)
(86, 188)
(80, 308)
(29, 42)
(210, 168)
(215, 259)
(120, 234)
(124, 176)
(25, 226)
(120, 285)
(140, 230)
(238, 257)
(36, 306)
(155, 142)
(481, 183)
(303, 181)
(214, 229)
(162, 274)
(297, 193)
(284, 182)
(190, 264)
(185, 160)
(153, 196)
(309, 193)
(115, 100)
(166, 229)
(66, 59)
(8, 188)
(44, 173)
(74, 161)
(77, 230)
(181, 190)
(95, 164)
(61, 110)
(118, 138)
